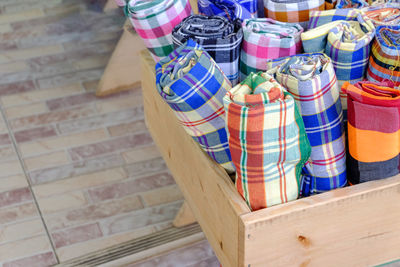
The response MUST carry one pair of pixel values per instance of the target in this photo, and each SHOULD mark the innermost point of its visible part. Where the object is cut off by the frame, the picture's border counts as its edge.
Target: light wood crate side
(353, 226)
(206, 187)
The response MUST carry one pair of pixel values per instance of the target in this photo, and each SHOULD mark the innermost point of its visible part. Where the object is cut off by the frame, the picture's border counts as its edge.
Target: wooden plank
(184, 216)
(207, 188)
(353, 226)
(110, 5)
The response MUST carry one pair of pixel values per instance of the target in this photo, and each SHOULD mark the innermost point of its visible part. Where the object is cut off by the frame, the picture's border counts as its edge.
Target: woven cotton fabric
(231, 9)
(386, 14)
(220, 37)
(384, 62)
(267, 141)
(264, 39)
(193, 85)
(347, 43)
(330, 4)
(373, 130)
(311, 79)
(120, 3)
(351, 4)
(154, 22)
(291, 10)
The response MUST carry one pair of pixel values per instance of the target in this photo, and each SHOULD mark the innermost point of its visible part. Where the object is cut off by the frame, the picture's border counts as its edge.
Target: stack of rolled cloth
(267, 39)
(347, 43)
(373, 130)
(193, 86)
(231, 9)
(384, 63)
(351, 4)
(318, 18)
(220, 37)
(311, 79)
(330, 4)
(292, 11)
(155, 20)
(386, 14)
(267, 140)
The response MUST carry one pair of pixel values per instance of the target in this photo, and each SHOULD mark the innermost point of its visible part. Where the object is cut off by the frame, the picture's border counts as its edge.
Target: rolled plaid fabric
(373, 130)
(292, 11)
(231, 9)
(267, 39)
(351, 4)
(267, 141)
(347, 43)
(387, 14)
(384, 62)
(220, 37)
(193, 86)
(155, 20)
(330, 4)
(311, 79)
(318, 18)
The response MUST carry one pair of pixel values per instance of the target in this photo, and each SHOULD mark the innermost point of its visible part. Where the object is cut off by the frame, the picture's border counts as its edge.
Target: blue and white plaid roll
(232, 9)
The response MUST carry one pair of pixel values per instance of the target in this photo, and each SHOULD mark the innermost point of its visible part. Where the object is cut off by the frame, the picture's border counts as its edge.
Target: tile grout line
(14, 144)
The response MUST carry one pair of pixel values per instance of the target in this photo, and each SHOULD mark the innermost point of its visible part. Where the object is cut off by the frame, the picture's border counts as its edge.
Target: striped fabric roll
(292, 11)
(267, 39)
(319, 18)
(347, 43)
(220, 37)
(311, 79)
(387, 14)
(154, 22)
(351, 4)
(384, 62)
(231, 9)
(373, 130)
(267, 140)
(193, 86)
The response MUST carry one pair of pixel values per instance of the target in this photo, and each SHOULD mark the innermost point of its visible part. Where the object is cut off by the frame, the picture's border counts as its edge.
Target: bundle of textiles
(267, 141)
(311, 80)
(267, 39)
(386, 14)
(218, 36)
(384, 62)
(330, 4)
(154, 22)
(231, 9)
(373, 130)
(351, 4)
(193, 86)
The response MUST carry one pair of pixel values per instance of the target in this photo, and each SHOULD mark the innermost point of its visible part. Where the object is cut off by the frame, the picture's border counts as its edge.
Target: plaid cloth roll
(387, 14)
(193, 86)
(318, 18)
(373, 130)
(292, 11)
(330, 4)
(267, 39)
(351, 4)
(154, 22)
(220, 37)
(267, 140)
(311, 79)
(347, 43)
(384, 63)
(231, 9)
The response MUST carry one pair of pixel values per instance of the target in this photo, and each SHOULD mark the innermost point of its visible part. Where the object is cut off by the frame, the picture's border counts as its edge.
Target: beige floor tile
(10, 168)
(5, 28)
(119, 104)
(21, 230)
(17, 54)
(162, 195)
(46, 160)
(26, 110)
(61, 202)
(22, 248)
(25, 15)
(18, 66)
(141, 154)
(90, 63)
(13, 182)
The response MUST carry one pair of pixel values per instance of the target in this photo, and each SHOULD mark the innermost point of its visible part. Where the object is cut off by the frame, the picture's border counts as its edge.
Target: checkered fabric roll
(267, 140)
(292, 11)
(347, 43)
(387, 14)
(319, 18)
(267, 39)
(384, 62)
(193, 86)
(373, 130)
(231, 9)
(155, 20)
(220, 37)
(330, 4)
(311, 79)
(351, 4)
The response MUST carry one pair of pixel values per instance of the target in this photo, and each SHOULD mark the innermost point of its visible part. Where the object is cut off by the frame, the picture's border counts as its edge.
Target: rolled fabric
(384, 62)
(311, 79)
(120, 3)
(267, 141)
(373, 130)
(330, 4)
(231, 9)
(218, 36)
(294, 11)
(193, 85)
(347, 43)
(351, 4)
(318, 18)
(386, 14)
(154, 22)
(264, 39)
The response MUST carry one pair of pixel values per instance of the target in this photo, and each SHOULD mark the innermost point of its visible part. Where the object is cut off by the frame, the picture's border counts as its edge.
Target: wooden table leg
(184, 216)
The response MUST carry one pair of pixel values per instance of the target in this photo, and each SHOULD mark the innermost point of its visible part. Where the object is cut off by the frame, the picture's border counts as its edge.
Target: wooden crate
(352, 226)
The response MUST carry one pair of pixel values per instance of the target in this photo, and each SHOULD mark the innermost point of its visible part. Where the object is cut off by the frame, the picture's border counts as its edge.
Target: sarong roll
(154, 22)
(120, 3)
(220, 37)
(193, 86)
(231, 9)
(384, 62)
(311, 79)
(330, 4)
(292, 11)
(373, 130)
(351, 4)
(387, 14)
(267, 39)
(318, 18)
(267, 141)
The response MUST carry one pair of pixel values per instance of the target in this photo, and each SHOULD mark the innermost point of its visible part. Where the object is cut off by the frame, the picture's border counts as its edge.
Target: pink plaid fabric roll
(120, 3)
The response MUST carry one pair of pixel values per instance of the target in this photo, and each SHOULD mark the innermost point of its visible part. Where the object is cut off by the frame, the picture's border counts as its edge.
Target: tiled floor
(77, 173)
